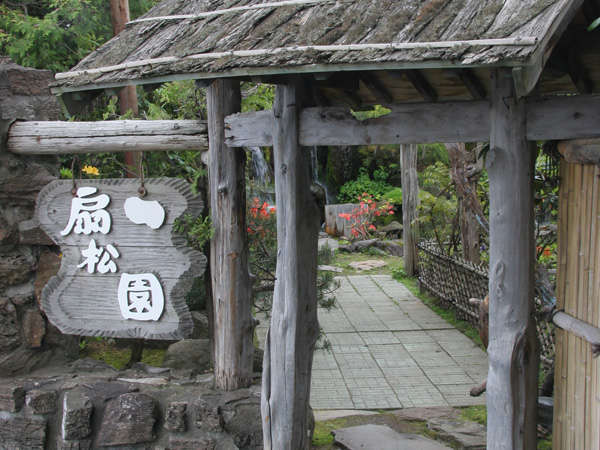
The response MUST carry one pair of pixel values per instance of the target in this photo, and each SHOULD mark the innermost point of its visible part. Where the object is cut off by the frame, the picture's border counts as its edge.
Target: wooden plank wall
(577, 375)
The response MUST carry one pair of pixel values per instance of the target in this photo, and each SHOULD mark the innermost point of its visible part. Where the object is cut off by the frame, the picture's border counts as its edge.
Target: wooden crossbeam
(557, 118)
(56, 138)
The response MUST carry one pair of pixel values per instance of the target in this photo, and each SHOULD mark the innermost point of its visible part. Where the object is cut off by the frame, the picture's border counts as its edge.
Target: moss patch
(107, 351)
(343, 260)
(475, 414)
(322, 437)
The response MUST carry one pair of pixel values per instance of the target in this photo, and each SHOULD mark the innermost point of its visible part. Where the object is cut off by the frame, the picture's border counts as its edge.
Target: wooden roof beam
(472, 83)
(421, 84)
(578, 73)
(379, 91)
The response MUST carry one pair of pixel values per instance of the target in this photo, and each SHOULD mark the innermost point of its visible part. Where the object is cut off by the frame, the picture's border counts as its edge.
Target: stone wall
(90, 405)
(27, 256)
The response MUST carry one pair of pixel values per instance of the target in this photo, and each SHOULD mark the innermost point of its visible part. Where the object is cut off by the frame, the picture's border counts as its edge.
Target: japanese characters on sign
(124, 272)
(140, 296)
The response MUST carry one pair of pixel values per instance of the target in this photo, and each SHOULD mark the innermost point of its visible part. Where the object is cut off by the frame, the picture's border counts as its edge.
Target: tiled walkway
(389, 350)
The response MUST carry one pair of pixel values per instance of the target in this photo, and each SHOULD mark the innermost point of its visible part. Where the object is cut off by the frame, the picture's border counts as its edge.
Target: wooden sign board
(124, 272)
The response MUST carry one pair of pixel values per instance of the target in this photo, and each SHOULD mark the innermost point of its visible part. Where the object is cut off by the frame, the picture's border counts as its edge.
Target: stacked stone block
(27, 257)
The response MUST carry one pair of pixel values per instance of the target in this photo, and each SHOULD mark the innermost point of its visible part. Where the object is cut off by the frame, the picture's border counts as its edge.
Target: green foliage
(351, 190)
(475, 414)
(323, 431)
(428, 154)
(175, 100)
(394, 196)
(56, 34)
(437, 218)
(63, 33)
(377, 111)
(595, 24)
(435, 179)
(257, 97)
(197, 230)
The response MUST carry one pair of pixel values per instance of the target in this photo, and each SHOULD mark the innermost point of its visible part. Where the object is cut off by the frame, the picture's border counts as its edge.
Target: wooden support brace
(231, 290)
(580, 151)
(585, 331)
(294, 328)
(512, 350)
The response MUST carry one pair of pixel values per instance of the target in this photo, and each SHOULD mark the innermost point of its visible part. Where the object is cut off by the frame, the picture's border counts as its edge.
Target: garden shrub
(375, 187)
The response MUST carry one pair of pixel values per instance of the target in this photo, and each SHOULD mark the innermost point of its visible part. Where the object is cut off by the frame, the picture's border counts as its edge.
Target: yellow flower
(90, 170)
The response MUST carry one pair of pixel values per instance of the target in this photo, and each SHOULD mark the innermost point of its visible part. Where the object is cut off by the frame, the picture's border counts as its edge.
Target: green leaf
(594, 24)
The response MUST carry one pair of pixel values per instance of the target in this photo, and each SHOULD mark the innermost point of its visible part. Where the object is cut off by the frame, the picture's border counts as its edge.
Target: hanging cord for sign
(75, 159)
(142, 190)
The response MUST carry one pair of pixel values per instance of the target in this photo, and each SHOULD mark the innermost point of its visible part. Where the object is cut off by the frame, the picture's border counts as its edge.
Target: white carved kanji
(87, 213)
(140, 296)
(99, 258)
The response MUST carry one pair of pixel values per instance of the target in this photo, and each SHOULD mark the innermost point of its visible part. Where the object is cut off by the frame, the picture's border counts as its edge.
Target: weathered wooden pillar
(512, 350)
(410, 201)
(232, 301)
(294, 329)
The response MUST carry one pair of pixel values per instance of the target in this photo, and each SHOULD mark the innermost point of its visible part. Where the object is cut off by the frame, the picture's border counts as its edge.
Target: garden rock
(128, 419)
(241, 419)
(9, 332)
(12, 397)
(41, 402)
(393, 228)
(34, 328)
(77, 412)
(200, 320)
(326, 268)
(20, 432)
(367, 265)
(381, 437)
(189, 354)
(468, 435)
(175, 416)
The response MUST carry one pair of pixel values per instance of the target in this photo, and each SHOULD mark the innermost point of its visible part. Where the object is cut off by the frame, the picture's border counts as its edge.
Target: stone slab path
(388, 350)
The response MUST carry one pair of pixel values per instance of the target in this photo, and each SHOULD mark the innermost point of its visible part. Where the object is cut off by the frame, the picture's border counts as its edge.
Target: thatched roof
(248, 38)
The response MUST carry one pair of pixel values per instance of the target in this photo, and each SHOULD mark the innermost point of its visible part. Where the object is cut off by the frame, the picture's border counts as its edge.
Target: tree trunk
(294, 328)
(464, 177)
(231, 290)
(128, 101)
(410, 202)
(512, 350)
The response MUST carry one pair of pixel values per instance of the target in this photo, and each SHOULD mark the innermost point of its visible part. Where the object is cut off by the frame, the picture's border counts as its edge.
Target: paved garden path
(389, 350)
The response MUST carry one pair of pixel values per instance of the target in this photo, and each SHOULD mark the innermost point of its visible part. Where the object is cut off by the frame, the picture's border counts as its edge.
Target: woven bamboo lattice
(454, 281)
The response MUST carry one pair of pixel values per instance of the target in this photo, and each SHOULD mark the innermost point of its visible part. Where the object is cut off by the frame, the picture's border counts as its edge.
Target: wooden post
(232, 301)
(128, 101)
(410, 201)
(512, 350)
(294, 328)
